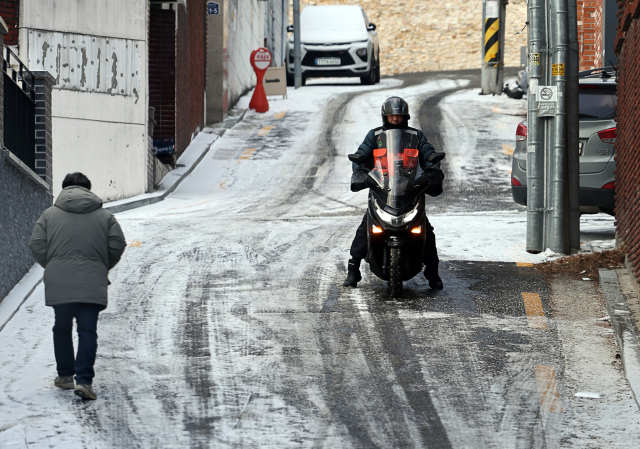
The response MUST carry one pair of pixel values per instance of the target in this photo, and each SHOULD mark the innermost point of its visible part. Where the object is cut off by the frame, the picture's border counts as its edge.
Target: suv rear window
(597, 102)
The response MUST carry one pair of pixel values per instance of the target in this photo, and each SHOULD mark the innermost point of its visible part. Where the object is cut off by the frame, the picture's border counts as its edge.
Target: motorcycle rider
(395, 115)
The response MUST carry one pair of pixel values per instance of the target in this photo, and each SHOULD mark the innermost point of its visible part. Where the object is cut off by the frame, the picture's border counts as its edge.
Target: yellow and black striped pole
(492, 41)
(494, 12)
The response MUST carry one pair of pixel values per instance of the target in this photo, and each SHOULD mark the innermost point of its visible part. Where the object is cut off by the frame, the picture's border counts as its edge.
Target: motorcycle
(396, 206)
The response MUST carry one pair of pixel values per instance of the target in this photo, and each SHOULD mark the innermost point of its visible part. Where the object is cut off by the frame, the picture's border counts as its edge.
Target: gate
(19, 109)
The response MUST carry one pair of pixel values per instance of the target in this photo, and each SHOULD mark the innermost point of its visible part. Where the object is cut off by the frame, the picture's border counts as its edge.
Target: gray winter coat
(77, 242)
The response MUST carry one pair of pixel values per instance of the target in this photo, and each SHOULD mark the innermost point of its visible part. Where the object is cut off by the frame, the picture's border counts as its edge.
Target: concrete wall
(97, 52)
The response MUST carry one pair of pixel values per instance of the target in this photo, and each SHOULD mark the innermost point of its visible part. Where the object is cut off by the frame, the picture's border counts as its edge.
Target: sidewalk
(620, 297)
(195, 152)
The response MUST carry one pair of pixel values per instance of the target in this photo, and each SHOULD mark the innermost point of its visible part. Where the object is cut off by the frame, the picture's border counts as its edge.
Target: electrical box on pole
(492, 77)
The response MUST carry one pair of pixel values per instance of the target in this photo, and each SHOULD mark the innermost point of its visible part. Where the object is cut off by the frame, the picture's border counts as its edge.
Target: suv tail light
(515, 182)
(521, 132)
(610, 185)
(608, 135)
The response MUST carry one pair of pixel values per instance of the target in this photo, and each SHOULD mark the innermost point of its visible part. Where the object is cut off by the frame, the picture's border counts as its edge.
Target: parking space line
(247, 154)
(547, 385)
(280, 114)
(508, 150)
(265, 130)
(496, 110)
(535, 312)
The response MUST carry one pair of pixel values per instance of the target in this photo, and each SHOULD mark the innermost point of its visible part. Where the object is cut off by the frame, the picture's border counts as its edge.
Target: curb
(229, 123)
(134, 204)
(623, 329)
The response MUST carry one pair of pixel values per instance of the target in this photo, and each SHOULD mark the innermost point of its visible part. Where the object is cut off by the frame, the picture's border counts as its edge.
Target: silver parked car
(597, 138)
(336, 40)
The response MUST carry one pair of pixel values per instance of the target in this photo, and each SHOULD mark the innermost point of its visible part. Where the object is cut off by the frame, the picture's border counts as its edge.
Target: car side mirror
(371, 27)
(290, 28)
(435, 157)
(358, 158)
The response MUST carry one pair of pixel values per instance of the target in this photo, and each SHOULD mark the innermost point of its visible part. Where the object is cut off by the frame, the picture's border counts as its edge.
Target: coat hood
(78, 200)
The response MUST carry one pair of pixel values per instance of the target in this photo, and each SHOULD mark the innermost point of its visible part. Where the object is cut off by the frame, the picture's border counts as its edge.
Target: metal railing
(19, 109)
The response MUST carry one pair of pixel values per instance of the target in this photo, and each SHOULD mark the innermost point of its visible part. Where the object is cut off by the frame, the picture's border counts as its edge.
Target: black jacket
(424, 148)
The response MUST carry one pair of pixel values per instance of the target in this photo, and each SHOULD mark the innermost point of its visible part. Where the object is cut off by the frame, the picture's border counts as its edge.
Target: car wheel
(378, 69)
(369, 78)
(290, 80)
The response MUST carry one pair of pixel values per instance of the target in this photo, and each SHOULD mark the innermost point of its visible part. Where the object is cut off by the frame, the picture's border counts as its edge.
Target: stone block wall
(627, 157)
(421, 36)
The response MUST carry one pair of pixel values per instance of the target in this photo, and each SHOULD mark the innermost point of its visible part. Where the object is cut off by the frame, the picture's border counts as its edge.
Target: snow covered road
(227, 325)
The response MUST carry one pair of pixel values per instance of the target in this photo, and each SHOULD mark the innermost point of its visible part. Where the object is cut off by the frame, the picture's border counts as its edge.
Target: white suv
(336, 40)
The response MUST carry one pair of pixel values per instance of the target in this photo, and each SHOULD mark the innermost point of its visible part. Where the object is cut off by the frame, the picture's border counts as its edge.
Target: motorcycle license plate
(327, 61)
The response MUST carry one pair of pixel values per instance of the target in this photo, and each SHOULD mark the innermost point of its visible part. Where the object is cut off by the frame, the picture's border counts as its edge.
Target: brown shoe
(86, 392)
(65, 382)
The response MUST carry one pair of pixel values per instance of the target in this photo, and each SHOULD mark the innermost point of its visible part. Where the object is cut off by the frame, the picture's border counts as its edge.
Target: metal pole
(297, 66)
(558, 197)
(535, 126)
(493, 44)
(573, 130)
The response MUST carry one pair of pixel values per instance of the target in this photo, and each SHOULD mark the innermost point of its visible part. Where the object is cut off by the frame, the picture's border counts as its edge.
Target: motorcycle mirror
(358, 158)
(436, 157)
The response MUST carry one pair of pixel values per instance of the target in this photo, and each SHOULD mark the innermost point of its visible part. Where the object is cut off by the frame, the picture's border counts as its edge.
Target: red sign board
(260, 61)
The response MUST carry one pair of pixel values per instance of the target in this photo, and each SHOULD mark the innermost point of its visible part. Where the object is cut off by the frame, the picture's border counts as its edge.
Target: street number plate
(327, 61)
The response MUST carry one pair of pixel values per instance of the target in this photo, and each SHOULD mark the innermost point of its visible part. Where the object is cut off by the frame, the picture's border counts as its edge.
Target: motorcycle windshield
(395, 167)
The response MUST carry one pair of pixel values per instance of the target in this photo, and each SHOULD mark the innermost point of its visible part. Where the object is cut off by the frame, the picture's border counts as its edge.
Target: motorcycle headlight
(396, 220)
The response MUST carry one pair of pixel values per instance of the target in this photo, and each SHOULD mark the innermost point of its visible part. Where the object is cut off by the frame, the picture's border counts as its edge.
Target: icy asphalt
(227, 325)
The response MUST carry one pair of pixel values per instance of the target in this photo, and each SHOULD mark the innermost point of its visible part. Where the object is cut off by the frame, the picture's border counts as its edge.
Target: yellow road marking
(280, 114)
(496, 110)
(135, 244)
(265, 130)
(247, 154)
(535, 312)
(548, 389)
(524, 264)
(223, 183)
(501, 125)
(508, 150)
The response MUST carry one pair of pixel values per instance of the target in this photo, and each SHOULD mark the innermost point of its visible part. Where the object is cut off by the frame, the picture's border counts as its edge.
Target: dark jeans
(359, 247)
(81, 365)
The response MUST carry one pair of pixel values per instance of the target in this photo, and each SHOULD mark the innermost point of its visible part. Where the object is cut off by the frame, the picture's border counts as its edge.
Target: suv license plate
(327, 61)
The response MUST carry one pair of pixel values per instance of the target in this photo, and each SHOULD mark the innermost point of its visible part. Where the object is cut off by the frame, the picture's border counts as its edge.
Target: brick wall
(190, 46)
(627, 157)
(9, 10)
(590, 33)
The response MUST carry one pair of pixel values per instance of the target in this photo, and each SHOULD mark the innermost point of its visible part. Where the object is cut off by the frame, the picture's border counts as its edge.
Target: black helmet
(395, 106)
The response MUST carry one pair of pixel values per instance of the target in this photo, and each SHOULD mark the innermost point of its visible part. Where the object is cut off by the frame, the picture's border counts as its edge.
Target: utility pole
(492, 77)
(537, 51)
(557, 217)
(297, 66)
(573, 130)
(553, 206)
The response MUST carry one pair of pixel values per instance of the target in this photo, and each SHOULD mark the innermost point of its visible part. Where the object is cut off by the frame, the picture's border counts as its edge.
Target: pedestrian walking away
(395, 115)
(77, 242)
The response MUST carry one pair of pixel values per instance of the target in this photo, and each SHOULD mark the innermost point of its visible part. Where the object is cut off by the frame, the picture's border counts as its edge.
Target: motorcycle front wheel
(395, 274)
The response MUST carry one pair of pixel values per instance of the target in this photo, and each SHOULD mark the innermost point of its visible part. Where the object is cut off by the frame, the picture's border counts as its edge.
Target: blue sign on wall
(213, 8)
